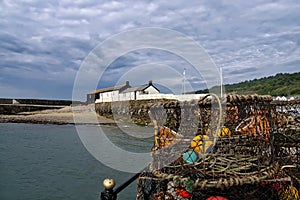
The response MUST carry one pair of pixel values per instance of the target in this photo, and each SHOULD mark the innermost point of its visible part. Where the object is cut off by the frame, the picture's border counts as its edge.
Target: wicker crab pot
(287, 139)
(196, 158)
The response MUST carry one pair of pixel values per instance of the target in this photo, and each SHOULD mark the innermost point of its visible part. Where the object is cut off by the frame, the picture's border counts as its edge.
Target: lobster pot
(242, 126)
(287, 148)
(287, 139)
(287, 131)
(286, 116)
(210, 148)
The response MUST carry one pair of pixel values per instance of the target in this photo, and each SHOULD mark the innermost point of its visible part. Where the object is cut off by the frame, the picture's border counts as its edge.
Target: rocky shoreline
(63, 116)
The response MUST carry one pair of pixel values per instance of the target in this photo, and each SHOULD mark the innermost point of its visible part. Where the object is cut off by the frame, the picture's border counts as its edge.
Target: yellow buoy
(290, 193)
(201, 142)
(225, 132)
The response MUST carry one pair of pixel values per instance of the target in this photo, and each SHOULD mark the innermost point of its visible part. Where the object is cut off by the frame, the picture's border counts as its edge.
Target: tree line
(282, 84)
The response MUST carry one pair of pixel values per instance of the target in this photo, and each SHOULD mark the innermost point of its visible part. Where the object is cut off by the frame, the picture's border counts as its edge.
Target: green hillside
(281, 84)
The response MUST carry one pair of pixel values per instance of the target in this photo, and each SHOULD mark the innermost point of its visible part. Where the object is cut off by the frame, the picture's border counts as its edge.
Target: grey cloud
(246, 38)
(243, 71)
(10, 43)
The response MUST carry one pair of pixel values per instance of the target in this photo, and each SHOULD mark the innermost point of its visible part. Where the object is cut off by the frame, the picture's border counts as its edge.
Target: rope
(222, 183)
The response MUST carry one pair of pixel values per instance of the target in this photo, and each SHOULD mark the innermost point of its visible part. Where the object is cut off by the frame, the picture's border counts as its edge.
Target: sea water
(50, 162)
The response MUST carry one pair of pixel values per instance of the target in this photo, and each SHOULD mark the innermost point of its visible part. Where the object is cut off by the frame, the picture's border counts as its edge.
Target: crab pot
(287, 132)
(203, 149)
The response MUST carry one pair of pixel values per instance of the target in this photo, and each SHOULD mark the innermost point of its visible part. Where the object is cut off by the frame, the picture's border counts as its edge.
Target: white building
(122, 93)
(136, 93)
(283, 98)
(107, 94)
(143, 92)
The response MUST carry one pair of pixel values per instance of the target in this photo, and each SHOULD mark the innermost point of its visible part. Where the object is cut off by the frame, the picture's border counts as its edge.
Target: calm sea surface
(50, 162)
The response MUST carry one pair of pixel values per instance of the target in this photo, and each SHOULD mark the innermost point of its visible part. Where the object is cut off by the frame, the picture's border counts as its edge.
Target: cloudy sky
(44, 43)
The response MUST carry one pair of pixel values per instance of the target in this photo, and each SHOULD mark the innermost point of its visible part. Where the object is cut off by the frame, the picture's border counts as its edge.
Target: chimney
(150, 83)
(127, 83)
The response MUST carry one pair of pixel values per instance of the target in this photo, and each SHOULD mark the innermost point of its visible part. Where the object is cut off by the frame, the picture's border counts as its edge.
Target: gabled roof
(119, 87)
(137, 88)
(125, 88)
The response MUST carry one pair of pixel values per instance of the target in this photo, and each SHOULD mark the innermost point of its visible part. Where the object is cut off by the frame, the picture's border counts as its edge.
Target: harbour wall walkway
(13, 106)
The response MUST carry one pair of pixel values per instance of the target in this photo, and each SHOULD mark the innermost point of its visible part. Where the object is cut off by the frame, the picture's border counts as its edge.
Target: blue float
(190, 156)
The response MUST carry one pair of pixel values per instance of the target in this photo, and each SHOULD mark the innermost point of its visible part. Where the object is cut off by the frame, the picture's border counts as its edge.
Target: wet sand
(66, 115)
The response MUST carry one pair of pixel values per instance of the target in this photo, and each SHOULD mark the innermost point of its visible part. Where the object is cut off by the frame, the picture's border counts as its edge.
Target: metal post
(183, 86)
(109, 193)
(221, 77)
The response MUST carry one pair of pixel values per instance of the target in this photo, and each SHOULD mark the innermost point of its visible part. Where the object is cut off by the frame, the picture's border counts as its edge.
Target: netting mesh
(196, 158)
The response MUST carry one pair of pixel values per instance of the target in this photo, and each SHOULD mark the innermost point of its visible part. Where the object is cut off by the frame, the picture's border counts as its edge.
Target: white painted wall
(138, 94)
(151, 90)
(115, 95)
(151, 93)
(130, 96)
(126, 96)
(185, 97)
(105, 97)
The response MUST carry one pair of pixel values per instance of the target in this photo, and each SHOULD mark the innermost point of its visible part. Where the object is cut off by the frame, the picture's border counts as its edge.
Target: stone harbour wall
(11, 109)
(127, 111)
(39, 102)
(14, 106)
(137, 111)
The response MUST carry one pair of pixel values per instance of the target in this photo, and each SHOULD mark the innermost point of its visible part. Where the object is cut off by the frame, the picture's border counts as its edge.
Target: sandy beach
(83, 114)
